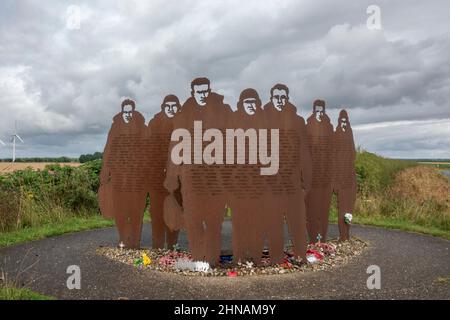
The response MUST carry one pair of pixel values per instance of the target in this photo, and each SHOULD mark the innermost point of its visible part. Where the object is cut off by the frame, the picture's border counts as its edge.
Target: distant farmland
(437, 164)
(6, 167)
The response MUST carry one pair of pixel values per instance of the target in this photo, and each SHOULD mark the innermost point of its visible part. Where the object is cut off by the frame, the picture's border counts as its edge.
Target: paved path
(446, 173)
(410, 266)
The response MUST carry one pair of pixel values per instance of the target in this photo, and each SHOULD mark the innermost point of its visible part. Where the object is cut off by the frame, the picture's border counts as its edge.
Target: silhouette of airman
(122, 193)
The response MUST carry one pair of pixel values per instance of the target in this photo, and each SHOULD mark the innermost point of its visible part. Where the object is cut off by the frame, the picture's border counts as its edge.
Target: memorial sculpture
(198, 160)
(344, 184)
(320, 133)
(288, 186)
(204, 198)
(249, 196)
(156, 146)
(122, 192)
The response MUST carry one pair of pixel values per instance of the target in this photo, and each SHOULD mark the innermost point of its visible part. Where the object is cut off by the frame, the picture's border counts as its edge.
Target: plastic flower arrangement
(145, 259)
(348, 218)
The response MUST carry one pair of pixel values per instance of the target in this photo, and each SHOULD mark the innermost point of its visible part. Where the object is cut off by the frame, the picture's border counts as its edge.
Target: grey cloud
(69, 83)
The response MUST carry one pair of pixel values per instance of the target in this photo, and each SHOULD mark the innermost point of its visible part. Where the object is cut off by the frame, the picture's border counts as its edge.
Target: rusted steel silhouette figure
(288, 187)
(122, 193)
(320, 135)
(203, 193)
(193, 194)
(344, 171)
(249, 195)
(157, 147)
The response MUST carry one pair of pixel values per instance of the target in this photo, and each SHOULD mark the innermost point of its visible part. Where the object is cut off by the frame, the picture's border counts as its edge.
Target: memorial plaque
(344, 183)
(320, 134)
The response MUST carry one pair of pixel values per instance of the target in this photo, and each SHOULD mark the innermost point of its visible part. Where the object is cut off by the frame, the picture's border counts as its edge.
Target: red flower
(315, 253)
(232, 274)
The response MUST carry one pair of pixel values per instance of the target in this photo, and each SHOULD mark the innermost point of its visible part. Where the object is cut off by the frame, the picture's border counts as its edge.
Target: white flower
(348, 218)
(186, 264)
(312, 259)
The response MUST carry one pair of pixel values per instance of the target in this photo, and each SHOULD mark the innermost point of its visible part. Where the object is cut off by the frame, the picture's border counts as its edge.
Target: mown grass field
(437, 164)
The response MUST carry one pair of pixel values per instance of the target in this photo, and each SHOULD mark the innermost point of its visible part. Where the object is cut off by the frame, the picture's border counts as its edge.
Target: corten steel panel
(344, 171)
(134, 165)
(314, 161)
(203, 193)
(122, 191)
(156, 149)
(288, 187)
(320, 134)
(259, 203)
(249, 196)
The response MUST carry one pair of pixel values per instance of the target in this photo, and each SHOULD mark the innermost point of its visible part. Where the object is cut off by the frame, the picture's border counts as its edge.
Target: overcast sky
(63, 78)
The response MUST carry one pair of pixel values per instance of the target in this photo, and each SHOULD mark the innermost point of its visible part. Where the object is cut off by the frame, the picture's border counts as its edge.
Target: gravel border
(327, 255)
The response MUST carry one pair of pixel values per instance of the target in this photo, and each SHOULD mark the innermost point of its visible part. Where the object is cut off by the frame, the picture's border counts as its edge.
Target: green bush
(90, 157)
(375, 173)
(30, 198)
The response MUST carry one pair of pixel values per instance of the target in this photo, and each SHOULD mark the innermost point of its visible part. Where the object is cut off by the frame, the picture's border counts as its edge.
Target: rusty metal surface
(344, 171)
(293, 178)
(156, 148)
(203, 193)
(134, 163)
(253, 209)
(260, 204)
(314, 162)
(320, 134)
(122, 193)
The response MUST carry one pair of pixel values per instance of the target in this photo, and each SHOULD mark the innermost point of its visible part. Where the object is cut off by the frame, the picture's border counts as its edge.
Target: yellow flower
(145, 259)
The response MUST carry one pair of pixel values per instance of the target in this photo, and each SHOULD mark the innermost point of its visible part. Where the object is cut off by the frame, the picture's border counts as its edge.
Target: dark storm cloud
(64, 85)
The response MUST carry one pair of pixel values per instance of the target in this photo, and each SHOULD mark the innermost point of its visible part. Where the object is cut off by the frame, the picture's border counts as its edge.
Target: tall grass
(402, 191)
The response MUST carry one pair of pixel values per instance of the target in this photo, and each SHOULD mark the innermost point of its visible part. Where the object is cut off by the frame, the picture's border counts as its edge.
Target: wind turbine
(13, 140)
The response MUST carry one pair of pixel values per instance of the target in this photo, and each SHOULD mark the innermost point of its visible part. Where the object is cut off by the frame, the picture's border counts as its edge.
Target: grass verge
(397, 224)
(12, 293)
(73, 224)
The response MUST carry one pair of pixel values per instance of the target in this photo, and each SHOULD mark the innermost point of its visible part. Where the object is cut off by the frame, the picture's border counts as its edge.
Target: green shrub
(375, 173)
(31, 198)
